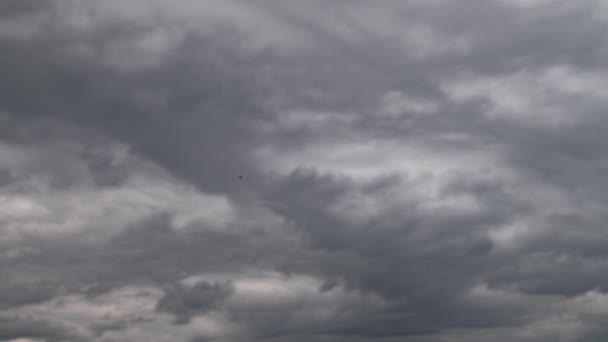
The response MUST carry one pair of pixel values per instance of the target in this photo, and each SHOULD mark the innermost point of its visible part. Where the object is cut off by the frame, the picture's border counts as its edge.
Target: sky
(290, 171)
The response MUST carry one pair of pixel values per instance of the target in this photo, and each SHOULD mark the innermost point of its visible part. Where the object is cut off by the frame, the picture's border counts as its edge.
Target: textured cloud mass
(286, 171)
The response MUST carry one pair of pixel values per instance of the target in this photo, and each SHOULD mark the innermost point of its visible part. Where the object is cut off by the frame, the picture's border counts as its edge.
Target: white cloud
(533, 97)
(33, 206)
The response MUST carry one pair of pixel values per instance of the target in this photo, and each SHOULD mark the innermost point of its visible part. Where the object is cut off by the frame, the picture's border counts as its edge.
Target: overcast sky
(295, 171)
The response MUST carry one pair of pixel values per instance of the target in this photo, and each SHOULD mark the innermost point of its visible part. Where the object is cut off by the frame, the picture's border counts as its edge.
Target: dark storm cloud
(478, 209)
(192, 98)
(184, 302)
(19, 295)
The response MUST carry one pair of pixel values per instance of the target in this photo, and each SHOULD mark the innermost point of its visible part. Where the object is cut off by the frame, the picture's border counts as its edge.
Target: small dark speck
(241, 177)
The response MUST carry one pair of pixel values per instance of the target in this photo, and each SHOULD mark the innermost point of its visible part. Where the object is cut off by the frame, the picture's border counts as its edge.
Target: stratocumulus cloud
(278, 170)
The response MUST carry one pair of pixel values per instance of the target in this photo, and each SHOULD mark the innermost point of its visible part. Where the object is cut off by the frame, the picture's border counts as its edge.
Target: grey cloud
(102, 328)
(513, 202)
(184, 302)
(23, 327)
(18, 295)
(16, 7)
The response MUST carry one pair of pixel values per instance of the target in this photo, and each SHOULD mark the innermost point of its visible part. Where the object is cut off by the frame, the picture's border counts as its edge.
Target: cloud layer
(230, 170)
